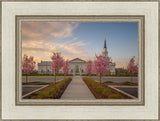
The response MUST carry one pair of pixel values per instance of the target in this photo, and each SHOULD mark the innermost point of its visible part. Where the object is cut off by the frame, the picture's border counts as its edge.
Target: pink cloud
(47, 30)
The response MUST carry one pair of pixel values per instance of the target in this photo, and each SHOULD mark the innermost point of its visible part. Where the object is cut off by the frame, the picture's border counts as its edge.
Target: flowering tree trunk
(26, 78)
(131, 78)
(100, 78)
(57, 63)
(55, 78)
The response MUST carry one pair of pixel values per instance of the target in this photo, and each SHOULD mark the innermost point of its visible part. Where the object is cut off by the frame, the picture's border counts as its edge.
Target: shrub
(127, 83)
(115, 96)
(108, 82)
(106, 92)
(43, 94)
(99, 89)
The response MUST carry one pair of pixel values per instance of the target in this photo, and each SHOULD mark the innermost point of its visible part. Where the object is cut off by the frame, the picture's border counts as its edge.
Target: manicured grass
(102, 92)
(46, 75)
(114, 75)
(35, 83)
(126, 83)
(53, 91)
(108, 82)
(42, 76)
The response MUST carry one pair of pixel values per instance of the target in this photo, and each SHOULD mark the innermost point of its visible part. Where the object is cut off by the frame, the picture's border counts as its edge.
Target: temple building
(105, 53)
(76, 66)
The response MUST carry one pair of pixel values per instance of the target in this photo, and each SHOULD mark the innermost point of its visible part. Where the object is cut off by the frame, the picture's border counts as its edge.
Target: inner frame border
(81, 18)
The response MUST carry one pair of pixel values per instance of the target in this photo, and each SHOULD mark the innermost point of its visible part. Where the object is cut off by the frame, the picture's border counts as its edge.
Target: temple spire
(105, 52)
(105, 41)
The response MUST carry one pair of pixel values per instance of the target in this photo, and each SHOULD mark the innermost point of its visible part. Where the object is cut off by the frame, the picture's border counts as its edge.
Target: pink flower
(132, 67)
(65, 67)
(89, 67)
(57, 62)
(101, 65)
(28, 64)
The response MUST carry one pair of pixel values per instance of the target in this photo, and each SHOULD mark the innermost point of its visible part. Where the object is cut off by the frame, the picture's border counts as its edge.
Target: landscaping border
(100, 94)
(52, 91)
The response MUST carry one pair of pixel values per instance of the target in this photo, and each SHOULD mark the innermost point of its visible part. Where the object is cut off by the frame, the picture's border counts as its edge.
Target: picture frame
(143, 104)
(139, 19)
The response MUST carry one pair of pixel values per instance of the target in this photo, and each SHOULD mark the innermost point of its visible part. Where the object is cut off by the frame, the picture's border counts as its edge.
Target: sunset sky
(80, 40)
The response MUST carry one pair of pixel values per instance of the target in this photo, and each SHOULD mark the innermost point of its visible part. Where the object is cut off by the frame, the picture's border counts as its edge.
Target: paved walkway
(77, 89)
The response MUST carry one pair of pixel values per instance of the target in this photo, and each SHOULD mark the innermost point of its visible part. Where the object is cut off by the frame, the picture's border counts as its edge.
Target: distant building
(76, 66)
(45, 67)
(121, 71)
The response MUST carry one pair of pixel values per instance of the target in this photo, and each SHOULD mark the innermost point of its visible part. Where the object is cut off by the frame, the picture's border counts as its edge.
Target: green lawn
(35, 83)
(43, 76)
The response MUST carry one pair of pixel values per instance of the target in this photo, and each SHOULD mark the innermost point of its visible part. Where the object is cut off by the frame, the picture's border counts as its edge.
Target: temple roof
(77, 59)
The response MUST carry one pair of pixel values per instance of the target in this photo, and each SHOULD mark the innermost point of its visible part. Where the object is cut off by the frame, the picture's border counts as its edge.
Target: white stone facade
(112, 68)
(45, 67)
(76, 66)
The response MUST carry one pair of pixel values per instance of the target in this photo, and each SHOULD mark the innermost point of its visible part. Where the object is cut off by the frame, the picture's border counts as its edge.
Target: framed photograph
(117, 81)
(80, 60)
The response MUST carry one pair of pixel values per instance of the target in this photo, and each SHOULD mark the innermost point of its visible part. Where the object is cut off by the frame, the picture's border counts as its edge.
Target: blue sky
(122, 38)
(80, 39)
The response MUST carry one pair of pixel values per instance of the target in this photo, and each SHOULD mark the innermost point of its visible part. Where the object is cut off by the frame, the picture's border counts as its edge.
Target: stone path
(77, 89)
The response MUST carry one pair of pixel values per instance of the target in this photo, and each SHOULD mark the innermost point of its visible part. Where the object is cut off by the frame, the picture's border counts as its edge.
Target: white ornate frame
(148, 9)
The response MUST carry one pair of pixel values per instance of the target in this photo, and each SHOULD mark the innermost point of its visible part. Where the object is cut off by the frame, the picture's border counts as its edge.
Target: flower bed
(53, 91)
(102, 92)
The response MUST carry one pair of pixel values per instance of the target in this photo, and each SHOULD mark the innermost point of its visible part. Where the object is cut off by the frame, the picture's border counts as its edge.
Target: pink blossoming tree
(101, 65)
(57, 63)
(65, 68)
(132, 67)
(28, 65)
(89, 67)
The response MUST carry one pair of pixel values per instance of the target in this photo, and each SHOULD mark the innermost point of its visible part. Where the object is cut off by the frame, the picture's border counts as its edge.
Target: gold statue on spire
(105, 37)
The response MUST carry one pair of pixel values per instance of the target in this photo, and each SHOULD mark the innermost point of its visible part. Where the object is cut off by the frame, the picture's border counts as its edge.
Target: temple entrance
(77, 69)
(77, 66)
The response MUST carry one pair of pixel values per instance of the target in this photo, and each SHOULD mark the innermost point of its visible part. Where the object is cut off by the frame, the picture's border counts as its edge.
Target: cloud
(35, 49)
(35, 31)
(75, 48)
(43, 49)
